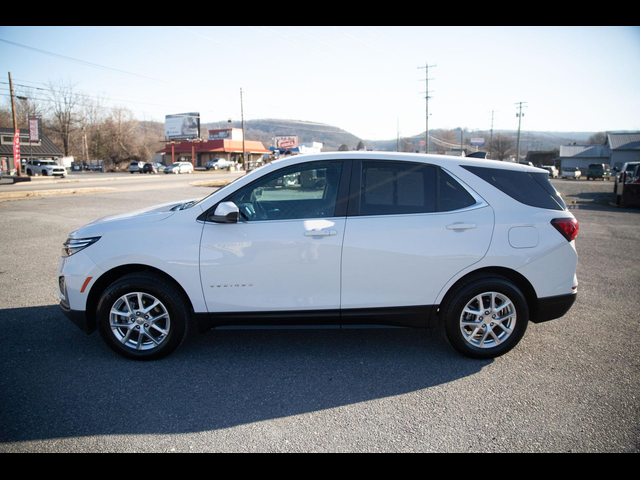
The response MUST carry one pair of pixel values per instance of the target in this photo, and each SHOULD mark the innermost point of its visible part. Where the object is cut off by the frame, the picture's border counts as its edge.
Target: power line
(97, 97)
(82, 62)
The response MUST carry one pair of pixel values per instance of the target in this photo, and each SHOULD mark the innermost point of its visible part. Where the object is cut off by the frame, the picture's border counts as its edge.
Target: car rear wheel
(485, 318)
(143, 317)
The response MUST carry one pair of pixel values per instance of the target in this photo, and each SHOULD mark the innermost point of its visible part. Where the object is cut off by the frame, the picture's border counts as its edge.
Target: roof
(46, 148)
(584, 151)
(624, 141)
(216, 146)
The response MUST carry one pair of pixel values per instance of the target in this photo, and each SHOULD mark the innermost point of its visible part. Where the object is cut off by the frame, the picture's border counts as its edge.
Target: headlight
(74, 245)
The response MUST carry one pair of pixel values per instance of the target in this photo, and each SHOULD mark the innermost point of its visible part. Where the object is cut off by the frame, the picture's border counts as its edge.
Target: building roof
(584, 151)
(216, 146)
(46, 148)
(624, 141)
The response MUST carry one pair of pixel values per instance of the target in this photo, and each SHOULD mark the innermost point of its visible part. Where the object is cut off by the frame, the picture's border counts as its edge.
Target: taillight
(568, 227)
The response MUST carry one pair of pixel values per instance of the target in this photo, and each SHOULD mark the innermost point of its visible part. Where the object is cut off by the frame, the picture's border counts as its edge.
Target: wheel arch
(511, 275)
(106, 279)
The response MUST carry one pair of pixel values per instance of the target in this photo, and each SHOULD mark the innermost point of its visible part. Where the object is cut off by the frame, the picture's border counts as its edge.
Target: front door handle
(462, 226)
(320, 233)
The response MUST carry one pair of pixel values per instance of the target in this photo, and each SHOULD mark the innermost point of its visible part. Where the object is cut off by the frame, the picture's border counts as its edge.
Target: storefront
(203, 151)
(43, 149)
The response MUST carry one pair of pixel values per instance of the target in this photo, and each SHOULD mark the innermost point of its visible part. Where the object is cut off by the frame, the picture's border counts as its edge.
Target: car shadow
(58, 382)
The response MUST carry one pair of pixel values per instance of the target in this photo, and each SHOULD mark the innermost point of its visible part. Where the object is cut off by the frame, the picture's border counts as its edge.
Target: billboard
(182, 126)
(286, 142)
(477, 142)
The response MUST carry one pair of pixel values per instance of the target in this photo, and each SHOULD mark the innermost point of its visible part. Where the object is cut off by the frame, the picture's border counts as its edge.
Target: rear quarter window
(533, 189)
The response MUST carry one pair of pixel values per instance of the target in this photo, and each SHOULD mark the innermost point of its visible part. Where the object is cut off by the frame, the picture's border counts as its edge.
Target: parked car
(571, 172)
(218, 164)
(553, 171)
(44, 168)
(479, 248)
(95, 168)
(152, 167)
(598, 170)
(627, 169)
(136, 167)
(179, 167)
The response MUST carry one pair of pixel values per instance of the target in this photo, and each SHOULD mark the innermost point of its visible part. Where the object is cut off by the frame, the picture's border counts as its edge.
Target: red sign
(16, 150)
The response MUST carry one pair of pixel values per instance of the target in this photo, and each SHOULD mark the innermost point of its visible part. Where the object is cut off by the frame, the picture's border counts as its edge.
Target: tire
(29, 173)
(475, 335)
(142, 316)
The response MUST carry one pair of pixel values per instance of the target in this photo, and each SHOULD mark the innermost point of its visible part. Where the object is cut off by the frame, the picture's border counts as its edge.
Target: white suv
(179, 167)
(218, 164)
(476, 246)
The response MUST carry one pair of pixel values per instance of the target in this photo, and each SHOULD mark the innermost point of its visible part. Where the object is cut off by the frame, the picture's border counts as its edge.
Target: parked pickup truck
(598, 170)
(45, 168)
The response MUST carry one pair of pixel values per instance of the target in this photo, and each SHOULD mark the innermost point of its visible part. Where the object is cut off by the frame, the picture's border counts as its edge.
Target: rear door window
(402, 188)
(397, 188)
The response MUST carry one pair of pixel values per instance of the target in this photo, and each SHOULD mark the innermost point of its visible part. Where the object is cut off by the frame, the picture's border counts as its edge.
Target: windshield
(48, 163)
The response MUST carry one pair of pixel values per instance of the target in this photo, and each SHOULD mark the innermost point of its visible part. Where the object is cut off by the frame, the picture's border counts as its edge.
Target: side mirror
(226, 212)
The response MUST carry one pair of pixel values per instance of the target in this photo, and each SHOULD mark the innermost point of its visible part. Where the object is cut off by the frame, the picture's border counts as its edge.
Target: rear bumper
(550, 308)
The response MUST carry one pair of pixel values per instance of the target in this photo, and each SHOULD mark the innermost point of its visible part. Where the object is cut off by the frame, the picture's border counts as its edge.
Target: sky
(365, 80)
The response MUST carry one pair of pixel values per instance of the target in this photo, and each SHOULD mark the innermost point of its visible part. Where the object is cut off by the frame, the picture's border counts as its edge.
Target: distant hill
(538, 141)
(265, 130)
(333, 137)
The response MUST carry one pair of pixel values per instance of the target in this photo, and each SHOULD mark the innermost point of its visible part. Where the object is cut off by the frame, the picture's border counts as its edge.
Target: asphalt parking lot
(570, 386)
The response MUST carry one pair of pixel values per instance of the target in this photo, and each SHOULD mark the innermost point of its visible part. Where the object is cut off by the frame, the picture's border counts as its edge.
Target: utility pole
(397, 134)
(491, 139)
(427, 97)
(244, 151)
(15, 124)
(519, 115)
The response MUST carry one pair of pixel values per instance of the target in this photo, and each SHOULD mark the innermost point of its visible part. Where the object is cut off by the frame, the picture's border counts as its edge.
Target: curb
(50, 193)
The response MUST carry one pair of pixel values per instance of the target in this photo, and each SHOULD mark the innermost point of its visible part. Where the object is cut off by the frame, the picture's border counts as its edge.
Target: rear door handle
(320, 233)
(462, 226)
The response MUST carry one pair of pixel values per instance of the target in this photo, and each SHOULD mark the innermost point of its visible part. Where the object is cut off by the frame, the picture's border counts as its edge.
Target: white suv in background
(179, 167)
(218, 164)
(478, 247)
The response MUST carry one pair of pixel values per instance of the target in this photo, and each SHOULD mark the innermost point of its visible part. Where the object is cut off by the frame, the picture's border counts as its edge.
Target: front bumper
(79, 318)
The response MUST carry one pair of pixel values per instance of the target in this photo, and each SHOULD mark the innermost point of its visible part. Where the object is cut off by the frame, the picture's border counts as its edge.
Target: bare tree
(503, 145)
(597, 139)
(65, 103)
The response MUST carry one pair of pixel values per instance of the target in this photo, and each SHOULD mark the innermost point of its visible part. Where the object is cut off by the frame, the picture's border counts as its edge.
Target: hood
(152, 214)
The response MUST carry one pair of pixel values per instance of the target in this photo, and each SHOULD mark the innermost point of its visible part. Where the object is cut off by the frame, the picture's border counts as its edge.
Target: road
(90, 182)
(571, 385)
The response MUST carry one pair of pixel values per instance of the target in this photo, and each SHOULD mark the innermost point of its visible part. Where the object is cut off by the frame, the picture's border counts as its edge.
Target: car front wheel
(485, 318)
(142, 317)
